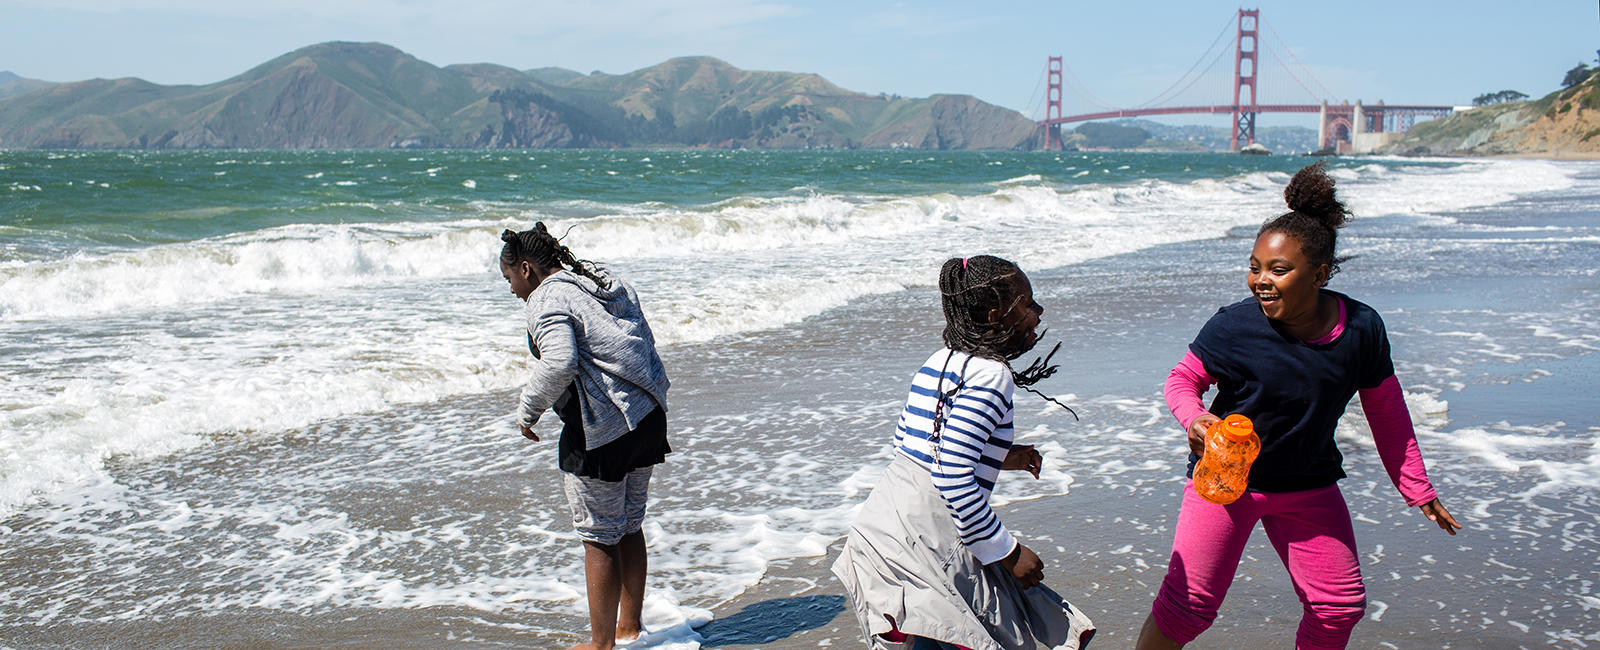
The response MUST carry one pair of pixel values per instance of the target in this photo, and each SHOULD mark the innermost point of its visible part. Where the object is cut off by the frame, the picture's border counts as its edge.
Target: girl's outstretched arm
(1385, 408)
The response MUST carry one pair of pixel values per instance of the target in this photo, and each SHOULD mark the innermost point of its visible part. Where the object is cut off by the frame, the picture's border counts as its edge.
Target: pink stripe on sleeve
(1185, 384)
(1385, 407)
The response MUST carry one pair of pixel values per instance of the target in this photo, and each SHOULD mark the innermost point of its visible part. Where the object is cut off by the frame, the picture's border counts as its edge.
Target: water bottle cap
(1238, 425)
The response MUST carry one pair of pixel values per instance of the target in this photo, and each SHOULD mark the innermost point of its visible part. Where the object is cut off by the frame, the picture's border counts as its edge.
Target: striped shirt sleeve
(974, 436)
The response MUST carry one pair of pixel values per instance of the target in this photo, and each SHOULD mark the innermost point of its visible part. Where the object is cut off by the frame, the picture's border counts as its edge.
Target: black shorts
(644, 446)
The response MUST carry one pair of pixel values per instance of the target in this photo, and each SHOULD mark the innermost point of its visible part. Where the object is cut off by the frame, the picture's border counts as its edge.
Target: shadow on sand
(771, 620)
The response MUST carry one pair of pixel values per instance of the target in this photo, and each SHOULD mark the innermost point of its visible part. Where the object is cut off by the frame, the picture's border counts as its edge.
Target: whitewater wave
(150, 350)
(306, 259)
(761, 245)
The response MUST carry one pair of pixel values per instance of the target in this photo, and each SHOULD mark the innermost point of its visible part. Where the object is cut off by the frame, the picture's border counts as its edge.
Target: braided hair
(969, 289)
(1314, 217)
(540, 248)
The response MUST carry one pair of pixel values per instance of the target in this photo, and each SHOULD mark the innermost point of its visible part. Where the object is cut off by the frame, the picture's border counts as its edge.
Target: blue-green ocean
(262, 398)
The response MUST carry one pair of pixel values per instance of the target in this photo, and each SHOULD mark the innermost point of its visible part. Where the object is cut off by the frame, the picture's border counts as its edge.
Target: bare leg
(1152, 638)
(603, 571)
(634, 565)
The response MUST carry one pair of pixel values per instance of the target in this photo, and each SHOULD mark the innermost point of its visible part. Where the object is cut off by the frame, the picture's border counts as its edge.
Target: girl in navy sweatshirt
(1289, 357)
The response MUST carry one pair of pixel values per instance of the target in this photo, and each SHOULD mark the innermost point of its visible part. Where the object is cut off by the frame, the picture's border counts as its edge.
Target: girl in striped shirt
(927, 561)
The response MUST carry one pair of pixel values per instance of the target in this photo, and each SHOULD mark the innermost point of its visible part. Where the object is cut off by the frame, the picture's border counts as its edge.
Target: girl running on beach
(926, 560)
(1289, 357)
(596, 366)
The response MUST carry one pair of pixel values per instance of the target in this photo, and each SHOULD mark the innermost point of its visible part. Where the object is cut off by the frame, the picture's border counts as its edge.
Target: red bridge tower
(1244, 115)
(1052, 105)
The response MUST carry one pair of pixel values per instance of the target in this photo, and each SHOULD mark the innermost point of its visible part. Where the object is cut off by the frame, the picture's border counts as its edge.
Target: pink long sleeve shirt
(1384, 406)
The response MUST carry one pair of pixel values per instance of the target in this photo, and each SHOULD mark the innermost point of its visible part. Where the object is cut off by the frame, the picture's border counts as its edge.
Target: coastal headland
(342, 95)
(345, 95)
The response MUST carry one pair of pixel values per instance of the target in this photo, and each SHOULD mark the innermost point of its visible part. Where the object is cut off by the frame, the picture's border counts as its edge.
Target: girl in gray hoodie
(596, 366)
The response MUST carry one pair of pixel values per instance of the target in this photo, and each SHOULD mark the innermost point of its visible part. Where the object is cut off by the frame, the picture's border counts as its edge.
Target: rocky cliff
(1565, 121)
(370, 95)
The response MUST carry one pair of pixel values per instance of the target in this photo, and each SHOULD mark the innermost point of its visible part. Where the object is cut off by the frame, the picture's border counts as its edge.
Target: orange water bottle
(1223, 472)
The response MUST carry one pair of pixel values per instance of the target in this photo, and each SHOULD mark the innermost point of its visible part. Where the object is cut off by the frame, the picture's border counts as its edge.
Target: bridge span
(1341, 127)
(1336, 130)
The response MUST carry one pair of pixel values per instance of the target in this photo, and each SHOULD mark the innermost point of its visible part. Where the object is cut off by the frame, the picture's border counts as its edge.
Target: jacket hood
(612, 292)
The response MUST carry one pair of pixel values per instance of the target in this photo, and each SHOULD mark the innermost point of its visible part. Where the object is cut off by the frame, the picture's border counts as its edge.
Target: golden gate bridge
(1342, 127)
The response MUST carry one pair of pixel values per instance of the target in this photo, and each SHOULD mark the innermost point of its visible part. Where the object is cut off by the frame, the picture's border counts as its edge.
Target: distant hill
(551, 75)
(371, 95)
(1565, 121)
(1281, 139)
(11, 84)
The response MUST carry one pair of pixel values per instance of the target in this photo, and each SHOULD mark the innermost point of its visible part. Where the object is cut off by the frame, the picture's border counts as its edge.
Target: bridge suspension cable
(1243, 108)
(1209, 67)
(1036, 86)
(1326, 94)
(1083, 91)
(1169, 93)
(1287, 70)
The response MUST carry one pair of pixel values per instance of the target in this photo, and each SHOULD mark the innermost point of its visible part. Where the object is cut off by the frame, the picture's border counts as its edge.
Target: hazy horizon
(1121, 56)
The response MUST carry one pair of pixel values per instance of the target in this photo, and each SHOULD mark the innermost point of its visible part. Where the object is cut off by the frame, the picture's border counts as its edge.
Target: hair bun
(1311, 193)
(539, 227)
(509, 236)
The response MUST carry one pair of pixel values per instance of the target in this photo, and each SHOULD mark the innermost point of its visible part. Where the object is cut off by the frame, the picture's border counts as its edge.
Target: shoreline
(432, 522)
(1105, 544)
(1564, 156)
(1551, 155)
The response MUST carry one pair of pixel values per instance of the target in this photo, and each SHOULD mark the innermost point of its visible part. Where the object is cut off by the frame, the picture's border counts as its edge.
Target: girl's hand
(1024, 457)
(529, 434)
(1435, 512)
(1024, 565)
(1197, 432)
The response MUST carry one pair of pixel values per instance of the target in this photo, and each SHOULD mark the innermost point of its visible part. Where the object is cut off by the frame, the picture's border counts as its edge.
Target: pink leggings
(1312, 533)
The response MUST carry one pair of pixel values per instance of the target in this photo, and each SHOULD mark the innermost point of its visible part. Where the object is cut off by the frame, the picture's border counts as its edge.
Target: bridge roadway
(1229, 109)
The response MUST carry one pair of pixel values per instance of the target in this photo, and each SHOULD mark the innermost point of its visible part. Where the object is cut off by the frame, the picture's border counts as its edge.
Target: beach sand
(1552, 155)
(1505, 581)
(776, 431)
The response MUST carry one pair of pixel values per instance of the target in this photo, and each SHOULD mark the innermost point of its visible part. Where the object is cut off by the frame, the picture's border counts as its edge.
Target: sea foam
(282, 327)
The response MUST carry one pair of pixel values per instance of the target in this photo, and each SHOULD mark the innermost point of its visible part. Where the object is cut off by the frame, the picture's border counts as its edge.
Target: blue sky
(1125, 53)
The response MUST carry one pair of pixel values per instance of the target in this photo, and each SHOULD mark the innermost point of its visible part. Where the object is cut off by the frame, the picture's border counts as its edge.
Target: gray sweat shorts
(604, 512)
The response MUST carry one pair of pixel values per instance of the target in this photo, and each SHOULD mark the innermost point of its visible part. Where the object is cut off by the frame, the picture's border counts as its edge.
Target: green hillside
(371, 95)
(13, 84)
(1566, 121)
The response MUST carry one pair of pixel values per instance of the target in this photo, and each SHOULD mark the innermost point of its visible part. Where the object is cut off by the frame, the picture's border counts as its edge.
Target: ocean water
(264, 397)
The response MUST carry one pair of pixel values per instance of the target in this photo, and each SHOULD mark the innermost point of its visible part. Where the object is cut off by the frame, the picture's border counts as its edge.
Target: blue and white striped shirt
(972, 443)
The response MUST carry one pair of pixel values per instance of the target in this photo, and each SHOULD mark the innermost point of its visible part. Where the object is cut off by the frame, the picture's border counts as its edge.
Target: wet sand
(1502, 583)
(1495, 323)
(1553, 155)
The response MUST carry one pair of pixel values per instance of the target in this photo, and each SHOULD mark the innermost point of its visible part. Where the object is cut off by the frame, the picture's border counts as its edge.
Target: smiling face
(1285, 283)
(1020, 318)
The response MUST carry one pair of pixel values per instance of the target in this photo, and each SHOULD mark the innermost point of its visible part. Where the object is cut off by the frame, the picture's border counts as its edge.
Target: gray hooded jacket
(597, 337)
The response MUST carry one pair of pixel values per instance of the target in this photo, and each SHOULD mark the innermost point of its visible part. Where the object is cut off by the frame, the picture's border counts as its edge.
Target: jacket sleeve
(554, 369)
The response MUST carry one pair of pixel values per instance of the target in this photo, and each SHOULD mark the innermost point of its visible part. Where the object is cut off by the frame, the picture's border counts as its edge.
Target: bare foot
(586, 646)
(625, 635)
